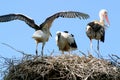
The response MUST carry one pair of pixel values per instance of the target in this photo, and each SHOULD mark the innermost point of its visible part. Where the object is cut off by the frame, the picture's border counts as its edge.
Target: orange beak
(107, 20)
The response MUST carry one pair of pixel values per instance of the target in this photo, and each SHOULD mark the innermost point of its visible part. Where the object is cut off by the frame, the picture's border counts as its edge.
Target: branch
(23, 53)
(116, 56)
(13, 48)
(83, 53)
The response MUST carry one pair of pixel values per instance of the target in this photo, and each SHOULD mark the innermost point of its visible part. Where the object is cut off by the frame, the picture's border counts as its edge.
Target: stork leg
(98, 49)
(43, 44)
(98, 46)
(91, 46)
(36, 49)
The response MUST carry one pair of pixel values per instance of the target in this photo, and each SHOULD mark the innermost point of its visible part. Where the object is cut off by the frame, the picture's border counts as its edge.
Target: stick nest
(63, 67)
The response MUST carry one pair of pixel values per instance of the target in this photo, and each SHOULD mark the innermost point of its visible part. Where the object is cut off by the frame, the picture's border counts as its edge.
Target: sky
(19, 35)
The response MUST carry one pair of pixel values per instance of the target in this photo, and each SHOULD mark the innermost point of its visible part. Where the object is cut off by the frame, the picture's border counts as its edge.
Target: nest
(63, 67)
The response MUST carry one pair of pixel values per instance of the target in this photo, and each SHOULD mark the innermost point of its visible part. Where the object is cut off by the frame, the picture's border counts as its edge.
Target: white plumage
(65, 41)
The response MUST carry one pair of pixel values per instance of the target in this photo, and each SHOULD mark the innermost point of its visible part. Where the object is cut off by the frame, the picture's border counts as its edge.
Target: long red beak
(107, 20)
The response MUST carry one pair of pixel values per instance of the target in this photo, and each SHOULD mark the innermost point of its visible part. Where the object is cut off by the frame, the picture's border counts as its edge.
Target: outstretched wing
(11, 17)
(67, 14)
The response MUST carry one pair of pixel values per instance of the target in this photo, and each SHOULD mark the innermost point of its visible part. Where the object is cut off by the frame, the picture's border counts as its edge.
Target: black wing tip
(73, 45)
(103, 38)
(86, 16)
(66, 31)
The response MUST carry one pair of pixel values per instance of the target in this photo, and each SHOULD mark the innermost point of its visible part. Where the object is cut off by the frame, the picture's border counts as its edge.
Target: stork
(42, 31)
(96, 29)
(65, 41)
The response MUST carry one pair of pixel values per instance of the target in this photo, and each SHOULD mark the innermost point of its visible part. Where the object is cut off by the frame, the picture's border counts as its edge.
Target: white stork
(42, 31)
(65, 41)
(96, 29)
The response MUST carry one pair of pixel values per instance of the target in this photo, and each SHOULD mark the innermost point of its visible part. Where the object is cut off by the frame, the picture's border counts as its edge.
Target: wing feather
(67, 14)
(11, 17)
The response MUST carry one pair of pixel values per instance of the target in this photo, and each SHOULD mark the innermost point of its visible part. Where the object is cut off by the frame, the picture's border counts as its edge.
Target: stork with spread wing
(42, 31)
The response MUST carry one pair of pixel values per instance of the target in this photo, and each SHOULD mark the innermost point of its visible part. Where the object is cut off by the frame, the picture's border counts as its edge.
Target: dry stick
(71, 71)
(83, 53)
(25, 56)
(98, 54)
(23, 53)
(88, 75)
(115, 60)
(8, 61)
(51, 53)
(13, 48)
(112, 58)
(116, 56)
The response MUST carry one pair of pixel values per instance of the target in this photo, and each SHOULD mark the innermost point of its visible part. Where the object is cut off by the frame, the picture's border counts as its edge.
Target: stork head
(103, 14)
(58, 32)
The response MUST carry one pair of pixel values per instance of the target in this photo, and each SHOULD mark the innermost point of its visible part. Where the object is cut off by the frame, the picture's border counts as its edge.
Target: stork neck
(45, 30)
(102, 21)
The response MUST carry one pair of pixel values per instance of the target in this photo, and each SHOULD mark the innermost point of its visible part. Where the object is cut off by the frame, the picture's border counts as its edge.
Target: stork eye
(105, 13)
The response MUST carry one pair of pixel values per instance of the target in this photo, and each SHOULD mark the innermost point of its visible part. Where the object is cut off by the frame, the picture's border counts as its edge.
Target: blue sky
(18, 34)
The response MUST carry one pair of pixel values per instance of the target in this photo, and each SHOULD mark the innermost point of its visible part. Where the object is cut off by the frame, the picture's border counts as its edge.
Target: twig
(51, 53)
(98, 54)
(112, 58)
(115, 60)
(89, 75)
(13, 48)
(83, 53)
(23, 53)
(116, 56)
